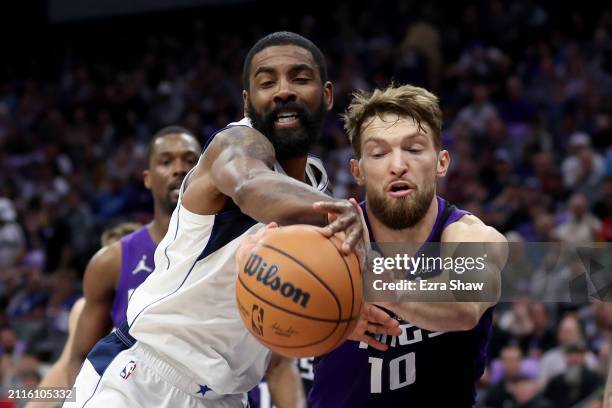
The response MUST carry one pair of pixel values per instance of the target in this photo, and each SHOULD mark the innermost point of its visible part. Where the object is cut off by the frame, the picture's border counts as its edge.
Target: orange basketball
(298, 293)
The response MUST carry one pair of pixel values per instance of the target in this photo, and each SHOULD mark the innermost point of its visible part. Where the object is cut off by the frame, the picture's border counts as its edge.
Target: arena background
(526, 91)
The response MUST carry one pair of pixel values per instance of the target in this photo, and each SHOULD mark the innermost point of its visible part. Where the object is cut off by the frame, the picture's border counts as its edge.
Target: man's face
(286, 100)
(173, 156)
(399, 167)
(569, 331)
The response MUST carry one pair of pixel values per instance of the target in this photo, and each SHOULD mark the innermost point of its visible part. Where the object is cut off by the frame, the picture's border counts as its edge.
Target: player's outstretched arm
(94, 322)
(57, 375)
(239, 164)
(464, 315)
(284, 382)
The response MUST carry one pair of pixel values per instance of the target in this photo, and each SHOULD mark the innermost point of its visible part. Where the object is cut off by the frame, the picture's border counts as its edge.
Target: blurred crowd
(526, 92)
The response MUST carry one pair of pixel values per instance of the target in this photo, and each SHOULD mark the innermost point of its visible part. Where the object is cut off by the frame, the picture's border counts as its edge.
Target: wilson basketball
(298, 293)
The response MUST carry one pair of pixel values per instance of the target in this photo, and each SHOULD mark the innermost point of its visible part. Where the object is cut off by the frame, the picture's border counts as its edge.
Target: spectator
(476, 114)
(12, 242)
(524, 390)
(12, 351)
(576, 382)
(582, 226)
(554, 362)
(27, 307)
(583, 169)
(542, 337)
(515, 108)
(510, 365)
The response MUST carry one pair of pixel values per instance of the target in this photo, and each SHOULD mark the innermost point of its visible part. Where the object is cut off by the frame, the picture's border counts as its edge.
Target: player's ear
(146, 175)
(245, 102)
(328, 95)
(443, 163)
(356, 172)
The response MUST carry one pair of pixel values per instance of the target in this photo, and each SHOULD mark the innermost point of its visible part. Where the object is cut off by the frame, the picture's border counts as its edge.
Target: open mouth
(287, 119)
(399, 189)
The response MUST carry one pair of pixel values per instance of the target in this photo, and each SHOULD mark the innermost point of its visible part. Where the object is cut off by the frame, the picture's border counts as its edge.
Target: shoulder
(486, 239)
(470, 228)
(139, 238)
(239, 139)
(105, 265)
(108, 255)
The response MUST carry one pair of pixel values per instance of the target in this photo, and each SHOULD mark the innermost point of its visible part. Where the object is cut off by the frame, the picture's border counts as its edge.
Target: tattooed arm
(238, 165)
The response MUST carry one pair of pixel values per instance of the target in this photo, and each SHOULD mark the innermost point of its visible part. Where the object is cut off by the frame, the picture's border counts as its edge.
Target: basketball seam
(352, 288)
(314, 275)
(337, 323)
(320, 319)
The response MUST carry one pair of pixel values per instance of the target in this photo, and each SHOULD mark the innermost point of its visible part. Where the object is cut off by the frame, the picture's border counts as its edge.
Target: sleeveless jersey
(186, 310)
(420, 369)
(137, 251)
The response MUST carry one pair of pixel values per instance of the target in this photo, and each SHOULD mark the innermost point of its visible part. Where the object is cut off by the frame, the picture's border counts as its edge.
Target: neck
(417, 233)
(159, 226)
(295, 167)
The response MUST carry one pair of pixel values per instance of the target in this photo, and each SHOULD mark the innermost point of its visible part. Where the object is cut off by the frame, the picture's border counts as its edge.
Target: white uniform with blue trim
(182, 321)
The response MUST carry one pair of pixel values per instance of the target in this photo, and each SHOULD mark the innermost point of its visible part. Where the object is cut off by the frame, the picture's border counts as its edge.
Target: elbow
(240, 193)
(247, 186)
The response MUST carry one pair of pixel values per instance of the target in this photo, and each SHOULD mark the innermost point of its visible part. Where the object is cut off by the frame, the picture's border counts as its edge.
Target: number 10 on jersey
(402, 372)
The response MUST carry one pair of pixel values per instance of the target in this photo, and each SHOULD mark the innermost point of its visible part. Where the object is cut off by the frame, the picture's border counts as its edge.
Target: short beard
(403, 212)
(289, 143)
(167, 204)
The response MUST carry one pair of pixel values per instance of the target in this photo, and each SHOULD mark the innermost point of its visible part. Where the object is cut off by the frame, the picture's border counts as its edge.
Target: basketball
(297, 293)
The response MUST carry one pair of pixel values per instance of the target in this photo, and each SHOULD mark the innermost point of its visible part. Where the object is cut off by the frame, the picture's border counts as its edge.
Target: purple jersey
(137, 250)
(420, 368)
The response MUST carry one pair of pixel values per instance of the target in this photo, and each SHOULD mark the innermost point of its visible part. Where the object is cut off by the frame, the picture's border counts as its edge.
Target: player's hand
(248, 243)
(343, 217)
(374, 320)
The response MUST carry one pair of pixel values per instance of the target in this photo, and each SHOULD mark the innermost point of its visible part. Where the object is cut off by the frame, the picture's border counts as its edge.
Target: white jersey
(186, 309)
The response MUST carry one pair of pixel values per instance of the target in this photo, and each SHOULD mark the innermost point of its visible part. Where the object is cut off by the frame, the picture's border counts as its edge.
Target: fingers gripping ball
(297, 293)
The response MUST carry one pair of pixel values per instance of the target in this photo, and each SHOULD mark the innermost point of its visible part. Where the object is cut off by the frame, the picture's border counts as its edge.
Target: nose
(180, 168)
(399, 165)
(284, 93)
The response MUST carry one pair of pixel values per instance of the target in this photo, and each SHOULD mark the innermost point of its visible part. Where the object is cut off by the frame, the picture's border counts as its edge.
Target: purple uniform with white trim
(137, 252)
(420, 368)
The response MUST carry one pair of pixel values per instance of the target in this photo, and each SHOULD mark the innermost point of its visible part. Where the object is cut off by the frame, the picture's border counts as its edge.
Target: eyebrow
(263, 70)
(301, 67)
(173, 153)
(294, 68)
(383, 140)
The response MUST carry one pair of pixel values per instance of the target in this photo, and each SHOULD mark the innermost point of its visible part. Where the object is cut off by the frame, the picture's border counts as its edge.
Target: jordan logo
(142, 266)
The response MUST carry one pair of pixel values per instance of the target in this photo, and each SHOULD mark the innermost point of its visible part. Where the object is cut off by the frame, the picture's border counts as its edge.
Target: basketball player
(184, 343)
(57, 374)
(439, 356)
(124, 263)
(116, 270)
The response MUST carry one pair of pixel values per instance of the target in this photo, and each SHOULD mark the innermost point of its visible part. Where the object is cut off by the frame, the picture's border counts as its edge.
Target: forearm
(56, 377)
(285, 385)
(440, 316)
(268, 197)
(73, 368)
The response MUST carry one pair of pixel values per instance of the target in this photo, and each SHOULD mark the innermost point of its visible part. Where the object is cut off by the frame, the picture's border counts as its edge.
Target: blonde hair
(114, 234)
(405, 101)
